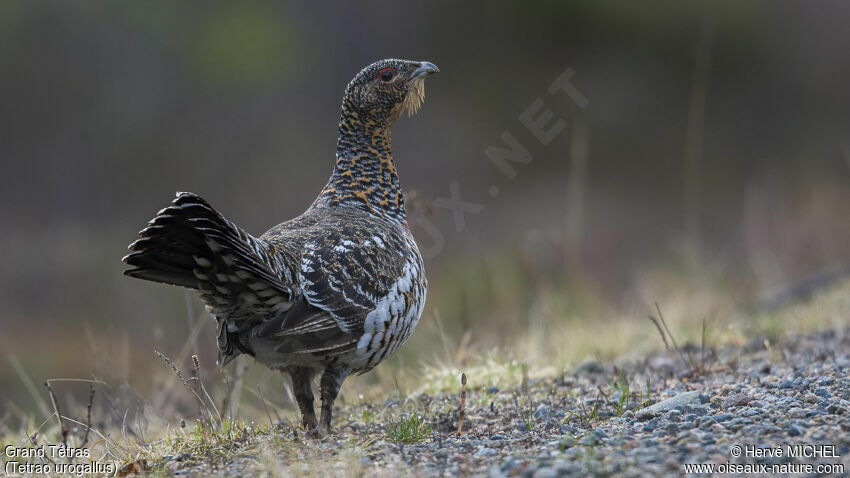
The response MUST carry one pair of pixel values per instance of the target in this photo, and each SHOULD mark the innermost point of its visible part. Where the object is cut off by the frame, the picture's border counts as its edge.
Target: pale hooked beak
(425, 68)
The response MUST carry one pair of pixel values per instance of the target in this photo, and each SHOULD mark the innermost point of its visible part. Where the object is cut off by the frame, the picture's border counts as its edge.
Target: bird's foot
(320, 432)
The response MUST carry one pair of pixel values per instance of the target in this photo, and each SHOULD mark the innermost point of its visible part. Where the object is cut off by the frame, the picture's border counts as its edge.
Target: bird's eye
(387, 74)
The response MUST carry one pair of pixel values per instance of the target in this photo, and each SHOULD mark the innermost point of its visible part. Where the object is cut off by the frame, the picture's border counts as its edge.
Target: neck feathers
(364, 176)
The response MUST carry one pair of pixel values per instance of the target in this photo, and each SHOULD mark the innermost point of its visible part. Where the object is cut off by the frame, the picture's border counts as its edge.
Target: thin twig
(604, 395)
(266, 408)
(139, 417)
(660, 332)
(185, 381)
(34, 441)
(124, 427)
(525, 378)
(88, 416)
(673, 339)
(58, 412)
(197, 364)
(462, 402)
(104, 393)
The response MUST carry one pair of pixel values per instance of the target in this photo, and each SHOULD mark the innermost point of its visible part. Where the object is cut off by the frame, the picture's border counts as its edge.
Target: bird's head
(384, 89)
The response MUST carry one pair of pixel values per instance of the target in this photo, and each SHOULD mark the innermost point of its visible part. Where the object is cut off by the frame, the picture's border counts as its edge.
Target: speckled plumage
(334, 291)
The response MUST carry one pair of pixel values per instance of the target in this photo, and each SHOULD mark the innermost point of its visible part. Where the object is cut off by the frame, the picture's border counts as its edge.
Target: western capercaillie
(331, 292)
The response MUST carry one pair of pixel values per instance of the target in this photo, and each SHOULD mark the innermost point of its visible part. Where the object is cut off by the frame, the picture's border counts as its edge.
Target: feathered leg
(302, 388)
(331, 381)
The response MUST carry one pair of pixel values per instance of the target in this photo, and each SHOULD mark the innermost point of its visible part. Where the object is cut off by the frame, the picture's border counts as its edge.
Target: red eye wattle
(387, 74)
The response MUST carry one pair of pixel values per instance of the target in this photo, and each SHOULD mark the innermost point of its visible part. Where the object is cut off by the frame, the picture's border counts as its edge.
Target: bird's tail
(242, 279)
(176, 246)
(191, 245)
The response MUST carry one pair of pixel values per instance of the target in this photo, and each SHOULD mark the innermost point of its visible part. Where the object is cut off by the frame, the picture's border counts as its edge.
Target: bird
(327, 294)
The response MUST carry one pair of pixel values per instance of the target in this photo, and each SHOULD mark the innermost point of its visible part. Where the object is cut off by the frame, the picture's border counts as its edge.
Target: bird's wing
(343, 275)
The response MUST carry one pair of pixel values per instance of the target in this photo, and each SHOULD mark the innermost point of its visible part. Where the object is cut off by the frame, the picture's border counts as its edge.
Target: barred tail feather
(189, 244)
(182, 240)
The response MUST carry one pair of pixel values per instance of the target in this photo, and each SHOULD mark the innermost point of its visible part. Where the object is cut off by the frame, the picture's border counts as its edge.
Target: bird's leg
(331, 381)
(302, 388)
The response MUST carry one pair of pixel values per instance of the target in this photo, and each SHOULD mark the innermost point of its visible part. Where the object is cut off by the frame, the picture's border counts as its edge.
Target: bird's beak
(425, 68)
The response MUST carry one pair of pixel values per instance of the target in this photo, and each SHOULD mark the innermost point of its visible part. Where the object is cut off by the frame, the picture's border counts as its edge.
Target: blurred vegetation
(111, 107)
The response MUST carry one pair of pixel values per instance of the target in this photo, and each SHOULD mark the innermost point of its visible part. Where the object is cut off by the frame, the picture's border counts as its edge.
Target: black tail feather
(189, 241)
(167, 247)
(242, 279)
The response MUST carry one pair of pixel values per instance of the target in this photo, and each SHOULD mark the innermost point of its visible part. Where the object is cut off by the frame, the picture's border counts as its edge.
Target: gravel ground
(754, 401)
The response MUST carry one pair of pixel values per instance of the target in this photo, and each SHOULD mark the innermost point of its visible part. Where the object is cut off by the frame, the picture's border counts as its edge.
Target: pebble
(545, 472)
(679, 401)
(823, 393)
(542, 412)
(737, 400)
(486, 452)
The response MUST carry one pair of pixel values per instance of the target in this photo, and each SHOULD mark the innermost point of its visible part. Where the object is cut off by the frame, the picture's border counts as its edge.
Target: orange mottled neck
(364, 176)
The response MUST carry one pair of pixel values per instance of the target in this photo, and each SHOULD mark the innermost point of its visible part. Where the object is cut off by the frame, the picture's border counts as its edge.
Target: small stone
(566, 443)
(542, 412)
(507, 465)
(679, 401)
(674, 414)
(645, 414)
(794, 430)
(787, 383)
(823, 393)
(492, 389)
(486, 452)
(811, 398)
(723, 417)
(544, 472)
(737, 400)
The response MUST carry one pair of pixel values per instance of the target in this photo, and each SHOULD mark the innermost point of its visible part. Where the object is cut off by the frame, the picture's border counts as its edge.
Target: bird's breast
(388, 326)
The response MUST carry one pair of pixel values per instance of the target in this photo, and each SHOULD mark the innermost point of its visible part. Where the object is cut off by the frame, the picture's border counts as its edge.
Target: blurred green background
(710, 167)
